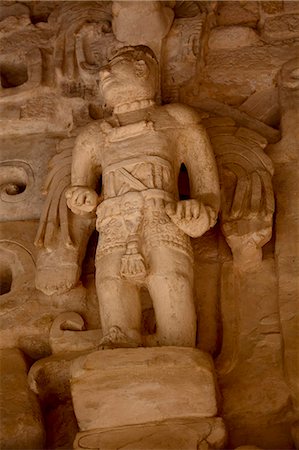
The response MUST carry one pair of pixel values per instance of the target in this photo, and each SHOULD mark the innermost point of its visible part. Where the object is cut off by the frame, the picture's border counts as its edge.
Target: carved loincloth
(132, 218)
(154, 228)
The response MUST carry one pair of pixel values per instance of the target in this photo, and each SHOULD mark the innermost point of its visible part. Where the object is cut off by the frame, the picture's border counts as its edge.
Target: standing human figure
(144, 227)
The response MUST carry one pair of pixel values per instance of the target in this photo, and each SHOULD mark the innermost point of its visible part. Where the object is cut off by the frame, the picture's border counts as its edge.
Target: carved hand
(81, 200)
(191, 216)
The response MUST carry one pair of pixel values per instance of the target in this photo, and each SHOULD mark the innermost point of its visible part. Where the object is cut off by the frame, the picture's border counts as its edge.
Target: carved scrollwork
(68, 333)
(16, 181)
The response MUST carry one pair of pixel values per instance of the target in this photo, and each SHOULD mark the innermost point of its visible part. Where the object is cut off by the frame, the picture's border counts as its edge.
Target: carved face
(125, 80)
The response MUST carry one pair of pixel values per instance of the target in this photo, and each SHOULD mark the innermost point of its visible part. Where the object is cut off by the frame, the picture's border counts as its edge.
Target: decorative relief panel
(89, 117)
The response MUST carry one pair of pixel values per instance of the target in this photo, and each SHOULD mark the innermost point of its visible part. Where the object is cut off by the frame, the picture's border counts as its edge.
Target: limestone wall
(236, 63)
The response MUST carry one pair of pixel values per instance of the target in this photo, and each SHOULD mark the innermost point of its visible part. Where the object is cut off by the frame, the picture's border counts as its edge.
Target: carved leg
(170, 285)
(118, 299)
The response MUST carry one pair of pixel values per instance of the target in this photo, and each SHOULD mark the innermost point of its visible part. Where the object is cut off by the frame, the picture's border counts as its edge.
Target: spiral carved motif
(16, 181)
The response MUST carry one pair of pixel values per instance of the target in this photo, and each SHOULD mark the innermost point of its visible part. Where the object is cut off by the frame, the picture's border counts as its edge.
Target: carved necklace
(133, 106)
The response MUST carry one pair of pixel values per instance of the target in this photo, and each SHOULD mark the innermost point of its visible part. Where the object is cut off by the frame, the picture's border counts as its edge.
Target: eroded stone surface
(49, 379)
(139, 382)
(187, 435)
(143, 224)
(21, 418)
(236, 63)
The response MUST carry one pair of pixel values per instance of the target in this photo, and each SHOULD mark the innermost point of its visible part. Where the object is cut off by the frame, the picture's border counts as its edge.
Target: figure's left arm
(197, 215)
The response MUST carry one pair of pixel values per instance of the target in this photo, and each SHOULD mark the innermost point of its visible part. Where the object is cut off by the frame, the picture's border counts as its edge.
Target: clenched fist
(81, 200)
(191, 216)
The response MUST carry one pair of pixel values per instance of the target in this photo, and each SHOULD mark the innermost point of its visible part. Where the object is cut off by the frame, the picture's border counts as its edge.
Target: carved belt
(116, 206)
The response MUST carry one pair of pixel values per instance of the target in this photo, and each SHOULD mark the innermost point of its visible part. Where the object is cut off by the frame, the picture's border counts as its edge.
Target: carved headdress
(136, 53)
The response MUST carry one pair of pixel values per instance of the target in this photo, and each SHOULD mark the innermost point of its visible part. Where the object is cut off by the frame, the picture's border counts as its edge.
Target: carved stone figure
(144, 226)
(237, 64)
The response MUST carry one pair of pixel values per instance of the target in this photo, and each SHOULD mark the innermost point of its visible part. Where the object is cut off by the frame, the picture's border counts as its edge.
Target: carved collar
(133, 106)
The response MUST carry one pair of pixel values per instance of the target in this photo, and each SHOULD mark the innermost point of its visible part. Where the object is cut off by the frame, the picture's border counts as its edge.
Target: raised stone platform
(148, 397)
(187, 434)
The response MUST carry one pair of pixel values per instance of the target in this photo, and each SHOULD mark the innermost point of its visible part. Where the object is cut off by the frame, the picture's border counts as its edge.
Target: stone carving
(16, 182)
(16, 262)
(61, 236)
(154, 17)
(29, 74)
(179, 65)
(289, 104)
(55, 185)
(204, 434)
(226, 59)
(84, 39)
(18, 401)
(281, 27)
(242, 118)
(247, 195)
(68, 334)
(170, 420)
(285, 157)
(49, 379)
(143, 225)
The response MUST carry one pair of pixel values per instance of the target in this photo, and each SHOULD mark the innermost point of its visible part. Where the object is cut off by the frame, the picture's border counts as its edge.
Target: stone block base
(21, 420)
(146, 398)
(188, 434)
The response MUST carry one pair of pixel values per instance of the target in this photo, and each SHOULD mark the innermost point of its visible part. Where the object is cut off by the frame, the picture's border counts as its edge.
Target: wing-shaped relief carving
(54, 215)
(247, 203)
(61, 235)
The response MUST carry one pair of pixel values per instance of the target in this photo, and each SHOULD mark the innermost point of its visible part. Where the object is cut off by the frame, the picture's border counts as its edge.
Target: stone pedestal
(146, 398)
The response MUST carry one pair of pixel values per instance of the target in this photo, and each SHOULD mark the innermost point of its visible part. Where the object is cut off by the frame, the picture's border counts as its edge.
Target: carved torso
(140, 169)
(139, 154)
(139, 157)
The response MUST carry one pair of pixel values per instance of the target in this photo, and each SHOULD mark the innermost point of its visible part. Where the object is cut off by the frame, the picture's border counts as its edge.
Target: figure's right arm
(86, 164)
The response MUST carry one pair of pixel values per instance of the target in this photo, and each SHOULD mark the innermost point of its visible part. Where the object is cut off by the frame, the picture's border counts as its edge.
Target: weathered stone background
(234, 60)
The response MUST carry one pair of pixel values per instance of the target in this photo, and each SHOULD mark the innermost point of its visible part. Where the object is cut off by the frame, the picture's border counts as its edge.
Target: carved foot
(117, 339)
